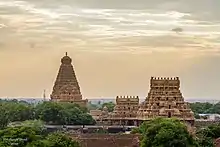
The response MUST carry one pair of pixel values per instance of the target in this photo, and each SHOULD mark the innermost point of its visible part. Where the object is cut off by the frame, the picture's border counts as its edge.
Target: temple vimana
(66, 87)
(163, 100)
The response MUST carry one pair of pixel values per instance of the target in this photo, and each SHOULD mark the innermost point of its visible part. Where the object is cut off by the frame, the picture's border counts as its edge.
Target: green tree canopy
(109, 105)
(49, 112)
(165, 132)
(63, 113)
(32, 137)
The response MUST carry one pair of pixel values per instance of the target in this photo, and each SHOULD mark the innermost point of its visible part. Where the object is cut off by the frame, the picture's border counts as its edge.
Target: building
(125, 111)
(66, 87)
(164, 100)
(99, 115)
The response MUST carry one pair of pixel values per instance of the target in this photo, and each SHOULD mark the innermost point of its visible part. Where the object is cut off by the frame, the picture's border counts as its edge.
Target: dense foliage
(24, 136)
(204, 108)
(109, 105)
(165, 132)
(49, 112)
(63, 113)
(208, 134)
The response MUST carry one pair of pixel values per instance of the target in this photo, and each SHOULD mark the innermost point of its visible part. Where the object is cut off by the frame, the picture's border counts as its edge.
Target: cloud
(101, 29)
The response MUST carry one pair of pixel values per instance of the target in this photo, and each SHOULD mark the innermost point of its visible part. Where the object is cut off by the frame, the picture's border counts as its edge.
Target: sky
(116, 46)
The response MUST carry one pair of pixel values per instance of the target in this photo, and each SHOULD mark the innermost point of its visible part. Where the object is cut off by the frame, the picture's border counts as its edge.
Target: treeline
(33, 135)
(50, 112)
(205, 108)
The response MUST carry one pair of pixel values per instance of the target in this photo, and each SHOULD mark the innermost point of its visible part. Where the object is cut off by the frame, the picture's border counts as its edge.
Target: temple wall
(106, 140)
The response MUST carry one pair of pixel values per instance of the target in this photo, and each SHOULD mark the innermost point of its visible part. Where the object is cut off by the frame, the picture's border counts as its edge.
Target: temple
(66, 87)
(125, 111)
(164, 100)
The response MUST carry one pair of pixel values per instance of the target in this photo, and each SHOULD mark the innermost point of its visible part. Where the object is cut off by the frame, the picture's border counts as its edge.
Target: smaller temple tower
(66, 87)
(125, 111)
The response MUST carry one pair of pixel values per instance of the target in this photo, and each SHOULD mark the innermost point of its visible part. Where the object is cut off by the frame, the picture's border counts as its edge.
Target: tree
(212, 131)
(109, 105)
(215, 109)
(201, 108)
(166, 132)
(50, 113)
(18, 136)
(4, 119)
(32, 137)
(16, 111)
(63, 113)
(204, 138)
(61, 140)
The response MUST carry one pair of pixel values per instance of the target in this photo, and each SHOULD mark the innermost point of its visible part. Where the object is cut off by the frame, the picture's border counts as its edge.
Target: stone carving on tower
(66, 87)
(165, 100)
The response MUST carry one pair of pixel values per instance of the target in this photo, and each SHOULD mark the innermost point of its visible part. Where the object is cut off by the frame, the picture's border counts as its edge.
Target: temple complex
(164, 100)
(66, 87)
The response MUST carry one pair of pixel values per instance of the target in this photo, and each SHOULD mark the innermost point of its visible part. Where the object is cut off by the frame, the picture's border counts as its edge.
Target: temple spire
(66, 87)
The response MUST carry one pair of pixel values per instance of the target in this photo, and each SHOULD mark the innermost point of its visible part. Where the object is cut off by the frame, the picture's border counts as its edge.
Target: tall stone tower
(66, 87)
(165, 100)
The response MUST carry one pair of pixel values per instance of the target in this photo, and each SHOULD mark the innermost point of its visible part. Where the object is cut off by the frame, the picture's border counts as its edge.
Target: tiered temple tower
(66, 87)
(125, 111)
(165, 100)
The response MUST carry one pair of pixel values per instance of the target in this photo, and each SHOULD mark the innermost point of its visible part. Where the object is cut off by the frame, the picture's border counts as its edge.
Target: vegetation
(23, 136)
(203, 108)
(165, 132)
(206, 135)
(109, 105)
(48, 112)
(22, 125)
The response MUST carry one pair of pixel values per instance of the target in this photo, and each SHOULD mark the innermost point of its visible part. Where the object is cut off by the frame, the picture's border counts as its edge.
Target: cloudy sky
(116, 46)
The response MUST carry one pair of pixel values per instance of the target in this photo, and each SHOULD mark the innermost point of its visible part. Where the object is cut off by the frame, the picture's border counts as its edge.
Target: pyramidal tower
(165, 100)
(66, 87)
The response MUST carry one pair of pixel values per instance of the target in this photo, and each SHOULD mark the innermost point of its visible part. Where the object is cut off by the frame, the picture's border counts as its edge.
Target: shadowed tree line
(49, 112)
(205, 108)
(32, 134)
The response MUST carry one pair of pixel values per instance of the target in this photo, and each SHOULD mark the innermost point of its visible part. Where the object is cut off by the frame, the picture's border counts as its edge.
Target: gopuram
(125, 111)
(164, 100)
(66, 87)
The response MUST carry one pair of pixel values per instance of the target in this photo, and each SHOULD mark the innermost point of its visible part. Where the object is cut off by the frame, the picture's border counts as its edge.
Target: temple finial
(66, 53)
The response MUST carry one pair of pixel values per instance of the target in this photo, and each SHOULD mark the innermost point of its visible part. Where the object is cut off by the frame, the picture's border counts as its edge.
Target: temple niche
(165, 100)
(66, 87)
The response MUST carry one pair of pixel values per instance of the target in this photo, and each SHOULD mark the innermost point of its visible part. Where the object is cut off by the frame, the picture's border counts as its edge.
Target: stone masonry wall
(106, 140)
